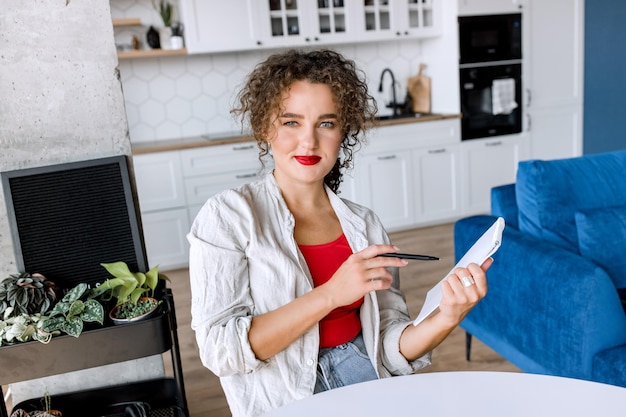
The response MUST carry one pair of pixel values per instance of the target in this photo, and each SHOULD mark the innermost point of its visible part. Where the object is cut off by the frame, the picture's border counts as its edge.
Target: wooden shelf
(151, 53)
(127, 22)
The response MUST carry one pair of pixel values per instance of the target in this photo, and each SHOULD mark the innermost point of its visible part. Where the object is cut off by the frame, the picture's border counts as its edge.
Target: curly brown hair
(260, 99)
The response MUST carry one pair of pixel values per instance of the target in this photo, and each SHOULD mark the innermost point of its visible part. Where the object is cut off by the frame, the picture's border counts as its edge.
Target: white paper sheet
(484, 247)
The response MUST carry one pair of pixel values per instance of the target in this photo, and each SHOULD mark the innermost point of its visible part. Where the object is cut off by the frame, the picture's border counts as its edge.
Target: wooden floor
(204, 394)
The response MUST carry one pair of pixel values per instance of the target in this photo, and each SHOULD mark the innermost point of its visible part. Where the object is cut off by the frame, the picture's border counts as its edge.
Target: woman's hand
(361, 273)
(461, 291)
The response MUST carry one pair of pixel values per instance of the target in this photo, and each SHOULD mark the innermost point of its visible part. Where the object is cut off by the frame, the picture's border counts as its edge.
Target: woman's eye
(327, 124)
(290, 123)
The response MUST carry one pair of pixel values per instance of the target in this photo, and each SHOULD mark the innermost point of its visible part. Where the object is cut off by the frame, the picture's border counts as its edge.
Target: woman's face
(305, 136)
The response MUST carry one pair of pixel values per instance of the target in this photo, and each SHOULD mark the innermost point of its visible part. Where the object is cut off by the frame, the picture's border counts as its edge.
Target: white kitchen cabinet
(212, 26)
(409, 174)
(286, 23)
(162, 202)
(165, 237)
(209, 170)
(236, 25)
(436, 179)
(159, 181)
(487, 163)
(554, 53)
(392, 19)
(384, 185)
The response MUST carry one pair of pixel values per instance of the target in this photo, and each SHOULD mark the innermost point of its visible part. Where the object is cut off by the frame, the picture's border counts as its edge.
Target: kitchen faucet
(394, 102)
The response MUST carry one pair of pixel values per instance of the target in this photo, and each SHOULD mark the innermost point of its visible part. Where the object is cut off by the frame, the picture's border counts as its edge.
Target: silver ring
(467, 281)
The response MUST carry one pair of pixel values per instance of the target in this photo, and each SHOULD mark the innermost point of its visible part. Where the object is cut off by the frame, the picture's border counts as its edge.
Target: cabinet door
(555, 77)
(556, 131)
(418, 18)
(280, 22)
(436, 183)
(159, 181)
(487, 163)
(555, 57)
(212, 26)
(392, 19)
(165, 236)
(383, 183)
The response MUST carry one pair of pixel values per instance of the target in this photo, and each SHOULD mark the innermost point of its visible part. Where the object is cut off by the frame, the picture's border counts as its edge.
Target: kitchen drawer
(199, 189)
(220, 159)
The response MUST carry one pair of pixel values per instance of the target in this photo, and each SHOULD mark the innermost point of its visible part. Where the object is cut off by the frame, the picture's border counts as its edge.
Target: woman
(289, 295)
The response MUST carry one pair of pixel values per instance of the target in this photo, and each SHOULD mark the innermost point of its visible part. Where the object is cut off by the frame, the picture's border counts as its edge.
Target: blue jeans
(343, 365)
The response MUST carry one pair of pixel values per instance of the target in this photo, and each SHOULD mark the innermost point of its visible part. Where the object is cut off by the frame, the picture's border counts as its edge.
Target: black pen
(410, 256)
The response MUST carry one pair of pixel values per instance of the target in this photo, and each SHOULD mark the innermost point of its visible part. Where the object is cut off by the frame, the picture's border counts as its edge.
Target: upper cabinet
(392, 19)
(236, 25)
(283, 23)
(212, 26)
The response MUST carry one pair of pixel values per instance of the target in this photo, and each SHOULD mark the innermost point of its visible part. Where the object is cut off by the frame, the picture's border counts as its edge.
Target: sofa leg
(468, 345)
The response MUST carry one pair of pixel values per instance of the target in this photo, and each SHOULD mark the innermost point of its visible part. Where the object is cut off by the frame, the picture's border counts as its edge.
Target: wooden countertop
(222, 139)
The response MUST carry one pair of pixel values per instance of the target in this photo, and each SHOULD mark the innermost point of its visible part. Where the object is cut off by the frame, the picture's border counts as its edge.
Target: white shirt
(244, 261)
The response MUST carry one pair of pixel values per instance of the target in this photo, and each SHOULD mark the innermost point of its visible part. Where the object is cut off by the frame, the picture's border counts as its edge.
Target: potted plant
(76, 307)
(27, 294)
(23, 328)
(166, 11)
(132, 292)
(24, 301)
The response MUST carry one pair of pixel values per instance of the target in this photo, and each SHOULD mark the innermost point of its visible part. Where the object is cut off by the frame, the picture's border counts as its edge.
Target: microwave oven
(488, 38)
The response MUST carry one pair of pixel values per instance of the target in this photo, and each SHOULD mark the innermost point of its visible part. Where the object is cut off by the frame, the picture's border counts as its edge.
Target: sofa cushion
(548, 193)
(601, 239)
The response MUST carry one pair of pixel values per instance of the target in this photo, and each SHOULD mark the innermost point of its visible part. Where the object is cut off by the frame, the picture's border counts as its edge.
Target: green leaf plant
(126, 285)
(76, 307)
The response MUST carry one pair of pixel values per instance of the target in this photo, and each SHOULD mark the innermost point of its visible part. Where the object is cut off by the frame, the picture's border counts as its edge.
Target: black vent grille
(70, 219)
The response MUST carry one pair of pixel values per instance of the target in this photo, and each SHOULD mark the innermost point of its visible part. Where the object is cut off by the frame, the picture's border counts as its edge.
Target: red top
(342, 324)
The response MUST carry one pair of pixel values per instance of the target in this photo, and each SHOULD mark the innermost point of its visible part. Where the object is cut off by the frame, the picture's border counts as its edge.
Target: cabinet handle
(435, 151)
(386, 158)
(498, 143)
(243, 148)
(243, 176)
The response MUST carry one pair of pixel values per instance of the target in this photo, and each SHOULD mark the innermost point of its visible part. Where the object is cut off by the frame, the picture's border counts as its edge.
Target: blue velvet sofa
(554, 304)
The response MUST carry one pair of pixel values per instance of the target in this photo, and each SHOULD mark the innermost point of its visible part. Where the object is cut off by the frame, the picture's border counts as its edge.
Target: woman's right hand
(361, 273)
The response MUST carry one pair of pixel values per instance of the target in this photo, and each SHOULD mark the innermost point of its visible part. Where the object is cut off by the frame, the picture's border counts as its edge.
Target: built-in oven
(491, 100)
(490, 38)
(490, 75)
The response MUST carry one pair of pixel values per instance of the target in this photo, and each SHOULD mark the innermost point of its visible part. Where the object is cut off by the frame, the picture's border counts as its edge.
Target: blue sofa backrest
(578, 204)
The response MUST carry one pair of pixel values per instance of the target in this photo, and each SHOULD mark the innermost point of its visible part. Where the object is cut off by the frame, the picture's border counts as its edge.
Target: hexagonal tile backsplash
(185, 96)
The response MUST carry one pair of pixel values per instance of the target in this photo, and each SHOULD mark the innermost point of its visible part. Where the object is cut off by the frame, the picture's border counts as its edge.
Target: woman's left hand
(462, 290)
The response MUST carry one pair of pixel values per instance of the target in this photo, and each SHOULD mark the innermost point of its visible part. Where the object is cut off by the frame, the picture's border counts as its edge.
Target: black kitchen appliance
(490, 75)
(490, 38)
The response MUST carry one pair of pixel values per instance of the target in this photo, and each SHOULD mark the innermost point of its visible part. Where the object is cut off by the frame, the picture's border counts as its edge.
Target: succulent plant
(27, 294)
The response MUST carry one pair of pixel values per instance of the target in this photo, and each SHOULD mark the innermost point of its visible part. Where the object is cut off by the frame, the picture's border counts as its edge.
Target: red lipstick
(308, 159)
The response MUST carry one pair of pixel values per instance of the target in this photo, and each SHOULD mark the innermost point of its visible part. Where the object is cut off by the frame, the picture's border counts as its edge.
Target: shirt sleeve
(394, 314)
(221, 304)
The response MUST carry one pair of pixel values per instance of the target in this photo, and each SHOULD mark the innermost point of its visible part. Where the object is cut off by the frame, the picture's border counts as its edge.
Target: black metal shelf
(97, 347)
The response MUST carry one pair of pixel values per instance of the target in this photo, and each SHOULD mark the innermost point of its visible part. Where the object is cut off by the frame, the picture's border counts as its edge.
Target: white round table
(483, 394)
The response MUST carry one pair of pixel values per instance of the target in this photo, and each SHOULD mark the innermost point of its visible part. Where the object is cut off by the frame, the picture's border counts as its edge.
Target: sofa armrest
(504, 204)
(547, 310)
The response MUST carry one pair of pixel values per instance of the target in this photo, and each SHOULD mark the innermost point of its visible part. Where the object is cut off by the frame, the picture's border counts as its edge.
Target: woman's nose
(308, 138)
